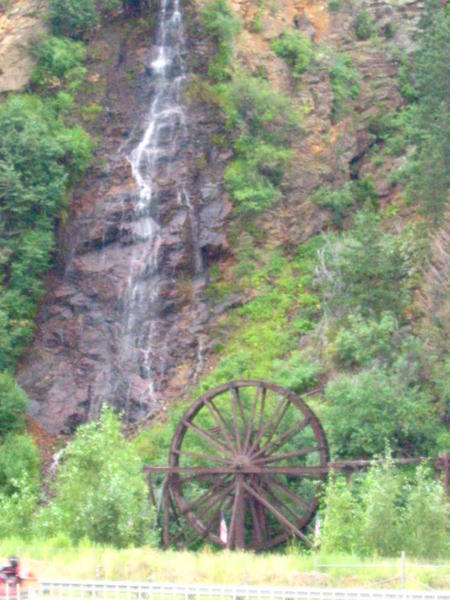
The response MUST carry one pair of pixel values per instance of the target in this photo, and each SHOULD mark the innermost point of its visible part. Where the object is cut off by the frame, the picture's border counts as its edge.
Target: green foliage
(374, 407)
(364, 25)
(365, 340)
(381, 516)
(101, 492)
(382, 513)
(335, 5)
(19, 459)
(74, 18)
(13, 405)
(339, 202)
(221, 25)
(363, 269)
(426, 518)
(431, 176)
(19, 484)
(59, 62)
(39, 157)
(340, 510)
(296, 49)
(261, 120)
(345, 84)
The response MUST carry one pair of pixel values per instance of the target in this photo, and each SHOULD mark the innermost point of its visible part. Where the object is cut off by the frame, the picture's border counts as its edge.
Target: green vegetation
(39, 157)
(364, 25)
(359, 193)
(296, 49)
(345, 84)
(100, 492)
(78, 18)
(221, 25)
(59, 64)
(384, 512)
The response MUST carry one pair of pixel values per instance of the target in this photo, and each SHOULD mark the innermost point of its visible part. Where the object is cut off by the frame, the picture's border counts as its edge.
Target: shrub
(366, 410)
(364, 25)
(60, 61)
(222, 25)
(345, 84)
(335, 5)
(340, 508)
(365, 340)
(426, 518)
(101, 492)
(261, 120)
(74, 18)
(13, 406)
(363, 270)
(381, 500)
(19, 484)
(338, 202)
(296, 49)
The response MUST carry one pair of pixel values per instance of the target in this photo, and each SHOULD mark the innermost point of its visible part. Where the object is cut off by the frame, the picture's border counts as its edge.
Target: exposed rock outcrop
(20, 23)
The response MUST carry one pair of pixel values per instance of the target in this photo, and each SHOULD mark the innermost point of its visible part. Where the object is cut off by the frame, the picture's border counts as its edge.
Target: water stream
(155, 164)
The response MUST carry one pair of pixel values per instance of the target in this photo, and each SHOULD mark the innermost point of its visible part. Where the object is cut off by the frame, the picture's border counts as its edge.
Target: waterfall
(155, 165)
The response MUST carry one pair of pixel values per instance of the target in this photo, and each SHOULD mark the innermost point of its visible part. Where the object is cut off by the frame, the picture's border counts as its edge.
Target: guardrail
(121, 590)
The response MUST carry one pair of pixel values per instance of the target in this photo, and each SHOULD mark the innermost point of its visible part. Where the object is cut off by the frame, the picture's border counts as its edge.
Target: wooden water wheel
(249, 456)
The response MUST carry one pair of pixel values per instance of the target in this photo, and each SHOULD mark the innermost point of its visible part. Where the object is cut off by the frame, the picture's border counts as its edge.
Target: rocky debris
(20, 23)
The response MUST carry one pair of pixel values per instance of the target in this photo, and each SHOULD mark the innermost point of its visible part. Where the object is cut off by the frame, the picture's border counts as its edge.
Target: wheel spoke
(276, 417)
(287, 492)
(206, 495)
(278, 457)
(255, 520)
(217, 416)
(206, 436)
(274, 445)
(249, 432)
(236, 534)
(235, 420)
(281, 505)
(235, 391)
(288, 526)
(209, 458)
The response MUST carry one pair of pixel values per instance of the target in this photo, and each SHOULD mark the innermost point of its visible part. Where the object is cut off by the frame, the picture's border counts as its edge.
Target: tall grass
(57, 558)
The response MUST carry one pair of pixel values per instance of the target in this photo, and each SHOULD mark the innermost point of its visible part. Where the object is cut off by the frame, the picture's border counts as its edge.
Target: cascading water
(155, 166)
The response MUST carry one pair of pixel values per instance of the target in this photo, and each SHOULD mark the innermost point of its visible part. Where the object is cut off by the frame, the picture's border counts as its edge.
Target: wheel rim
(264, 454)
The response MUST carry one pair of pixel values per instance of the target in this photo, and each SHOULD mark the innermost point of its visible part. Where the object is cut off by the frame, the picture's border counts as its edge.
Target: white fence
(107, 590)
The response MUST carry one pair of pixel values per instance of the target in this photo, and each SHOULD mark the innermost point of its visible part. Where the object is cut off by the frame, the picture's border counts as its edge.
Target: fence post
(403, 571)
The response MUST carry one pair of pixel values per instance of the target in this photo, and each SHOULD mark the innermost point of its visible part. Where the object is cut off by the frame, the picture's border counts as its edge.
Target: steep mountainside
(137, 318)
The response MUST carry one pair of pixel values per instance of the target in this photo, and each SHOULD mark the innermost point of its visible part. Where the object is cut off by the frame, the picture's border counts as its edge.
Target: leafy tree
(375, 407)
(39, 157)
(363, 270)
(101, 491)
(13, 406)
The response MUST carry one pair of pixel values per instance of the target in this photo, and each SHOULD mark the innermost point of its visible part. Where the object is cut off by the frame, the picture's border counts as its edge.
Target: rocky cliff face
(76, 360)
(20, 23)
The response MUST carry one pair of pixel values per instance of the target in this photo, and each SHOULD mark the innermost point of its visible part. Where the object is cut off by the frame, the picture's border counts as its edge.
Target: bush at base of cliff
(101, 493)
(19, 484)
